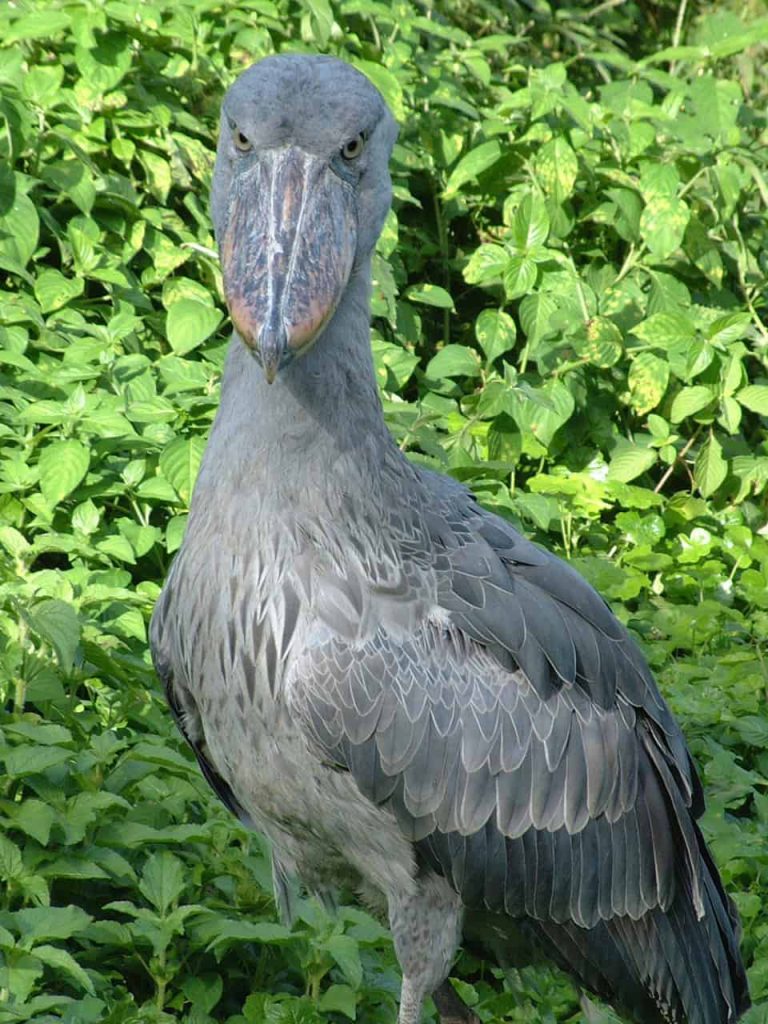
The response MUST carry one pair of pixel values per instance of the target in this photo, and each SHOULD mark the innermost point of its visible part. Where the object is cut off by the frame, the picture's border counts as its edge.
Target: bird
(410, 699)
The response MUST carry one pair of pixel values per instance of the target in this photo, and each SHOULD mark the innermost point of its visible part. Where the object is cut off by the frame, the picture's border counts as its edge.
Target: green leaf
(629, 461)
(36, 923)
(530, 224)
(62, 466)
(33, 760)
(40, 85)
(104, 65)
(648, 379)
(689, 401)
(36, 819)
(158, 174)
(710, 469)
(162, 881)
(19, 224)
(61, 960)
(59, 624)
(662, 225)
(730, 414)
(496, 333)
(85, 517)
(453, 361)
(174, 533)
(14, 542)
(43, 24)
(387, 83)
(39, 732)
(601, 342)
(53, 290)
(486, 264)
(117, 547)
(346, 953)
(665, 329)
(556, 167)
(540, 412)
(755, 398)
(189, 323)
(430, 295)
(21, 973)
(339, 999)
(730, 328)
(520, 275)
(180, 462)
(472, 165)
(203, 993)
(227, 933)
(11, 864)
(535, 313)
(659, 180)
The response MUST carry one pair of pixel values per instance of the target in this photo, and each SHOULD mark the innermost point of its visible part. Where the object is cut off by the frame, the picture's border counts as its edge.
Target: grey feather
(404, 693)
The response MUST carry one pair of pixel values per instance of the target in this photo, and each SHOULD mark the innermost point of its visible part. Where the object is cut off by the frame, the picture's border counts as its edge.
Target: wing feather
(518, 729)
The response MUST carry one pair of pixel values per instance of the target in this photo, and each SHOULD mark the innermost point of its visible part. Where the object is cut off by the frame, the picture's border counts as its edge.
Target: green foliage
(569, 308)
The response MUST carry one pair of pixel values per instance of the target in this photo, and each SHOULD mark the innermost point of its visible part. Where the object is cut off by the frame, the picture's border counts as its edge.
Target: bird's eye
(242, 142)
(352, 148)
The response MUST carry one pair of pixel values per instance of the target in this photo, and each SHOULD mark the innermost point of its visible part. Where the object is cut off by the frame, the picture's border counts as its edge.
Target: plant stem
(19, 695)
(681, 455)
(442, 238)
(607, 5)
(678, 33)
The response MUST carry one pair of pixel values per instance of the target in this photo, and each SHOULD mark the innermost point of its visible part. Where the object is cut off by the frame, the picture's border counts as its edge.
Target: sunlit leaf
(601, 343)
(58, 623)
(453, 361)
(629, 461)
(663, 223)
(711, 468)
(189, 323)
(648, 379)
(519, 276)
(689, 401)
(754, 397)
(180, 462)
(556, 168)
(62, 466)
(431, 295)
(496, 332)
(473, 164)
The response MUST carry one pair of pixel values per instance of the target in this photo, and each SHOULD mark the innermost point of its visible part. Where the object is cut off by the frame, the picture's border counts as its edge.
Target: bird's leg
(426, 929)
(451, 1007)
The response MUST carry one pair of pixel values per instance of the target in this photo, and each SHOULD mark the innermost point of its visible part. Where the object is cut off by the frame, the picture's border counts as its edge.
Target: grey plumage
(393, 684)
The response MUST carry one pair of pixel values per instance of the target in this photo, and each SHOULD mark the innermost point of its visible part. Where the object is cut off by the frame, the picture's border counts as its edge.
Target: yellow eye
(242, 142)
(352, 148)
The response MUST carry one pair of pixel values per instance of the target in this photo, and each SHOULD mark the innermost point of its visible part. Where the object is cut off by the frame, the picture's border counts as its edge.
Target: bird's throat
(319, 422)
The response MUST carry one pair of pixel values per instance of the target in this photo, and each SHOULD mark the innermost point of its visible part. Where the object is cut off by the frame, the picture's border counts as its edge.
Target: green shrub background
(570, 315)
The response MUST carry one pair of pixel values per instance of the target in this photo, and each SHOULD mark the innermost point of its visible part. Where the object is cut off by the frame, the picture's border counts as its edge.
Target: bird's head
(301, 188)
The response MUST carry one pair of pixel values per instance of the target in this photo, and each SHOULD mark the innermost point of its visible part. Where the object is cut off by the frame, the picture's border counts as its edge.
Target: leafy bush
(568, 316)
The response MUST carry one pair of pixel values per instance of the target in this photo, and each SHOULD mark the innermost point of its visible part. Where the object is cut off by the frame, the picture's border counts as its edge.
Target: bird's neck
(313, 435)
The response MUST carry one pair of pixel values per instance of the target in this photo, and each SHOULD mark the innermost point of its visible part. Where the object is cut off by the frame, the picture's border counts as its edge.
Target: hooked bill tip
(273, 349)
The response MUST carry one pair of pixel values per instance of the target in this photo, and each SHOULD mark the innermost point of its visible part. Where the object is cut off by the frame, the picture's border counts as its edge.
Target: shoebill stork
(403, 693)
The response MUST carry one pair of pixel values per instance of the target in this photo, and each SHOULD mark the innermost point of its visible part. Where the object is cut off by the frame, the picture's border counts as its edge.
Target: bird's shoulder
(434, 557)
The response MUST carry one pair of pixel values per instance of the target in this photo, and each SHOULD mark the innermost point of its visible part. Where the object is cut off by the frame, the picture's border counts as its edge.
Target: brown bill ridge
(287, 253)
